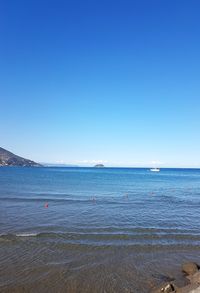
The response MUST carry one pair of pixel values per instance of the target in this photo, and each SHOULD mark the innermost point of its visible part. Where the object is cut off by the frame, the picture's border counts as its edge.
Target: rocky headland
(9, 159)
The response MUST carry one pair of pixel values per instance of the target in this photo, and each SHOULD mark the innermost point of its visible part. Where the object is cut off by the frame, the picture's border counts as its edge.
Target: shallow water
(104, 230)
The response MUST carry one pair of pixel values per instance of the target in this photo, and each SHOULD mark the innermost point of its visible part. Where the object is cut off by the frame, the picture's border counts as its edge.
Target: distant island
(99, 166)
(9, 159)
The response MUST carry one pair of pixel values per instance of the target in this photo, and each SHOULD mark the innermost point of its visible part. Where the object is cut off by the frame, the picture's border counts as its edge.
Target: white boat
(155, 170)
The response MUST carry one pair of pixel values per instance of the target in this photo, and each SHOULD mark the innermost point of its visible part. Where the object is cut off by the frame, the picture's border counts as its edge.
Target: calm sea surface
(96, 230)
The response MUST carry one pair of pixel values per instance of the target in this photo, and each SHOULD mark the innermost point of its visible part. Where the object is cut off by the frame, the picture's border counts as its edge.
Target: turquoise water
(52, 218)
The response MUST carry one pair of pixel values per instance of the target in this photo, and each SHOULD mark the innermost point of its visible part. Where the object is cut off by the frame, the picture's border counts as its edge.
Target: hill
(9, 159)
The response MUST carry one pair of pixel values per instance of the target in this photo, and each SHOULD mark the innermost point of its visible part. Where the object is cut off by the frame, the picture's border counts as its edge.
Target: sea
(96, 229)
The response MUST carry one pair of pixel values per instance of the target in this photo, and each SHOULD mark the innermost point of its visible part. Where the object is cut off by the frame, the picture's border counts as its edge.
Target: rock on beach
(192, 271)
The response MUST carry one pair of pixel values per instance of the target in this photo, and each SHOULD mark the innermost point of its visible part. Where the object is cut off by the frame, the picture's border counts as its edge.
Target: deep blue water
(91, 209)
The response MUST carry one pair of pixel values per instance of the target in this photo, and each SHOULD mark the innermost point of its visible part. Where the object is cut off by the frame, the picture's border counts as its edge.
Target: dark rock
(163, 278)
(164, 288)
(190, 268)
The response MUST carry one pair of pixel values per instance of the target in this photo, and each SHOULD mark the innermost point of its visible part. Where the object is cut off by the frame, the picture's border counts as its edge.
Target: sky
(113, 82)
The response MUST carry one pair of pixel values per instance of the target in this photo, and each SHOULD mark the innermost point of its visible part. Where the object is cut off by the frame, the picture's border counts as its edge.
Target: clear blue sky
(111, 81)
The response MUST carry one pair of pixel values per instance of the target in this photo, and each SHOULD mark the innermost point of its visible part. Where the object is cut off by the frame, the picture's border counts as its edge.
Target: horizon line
(111, 166)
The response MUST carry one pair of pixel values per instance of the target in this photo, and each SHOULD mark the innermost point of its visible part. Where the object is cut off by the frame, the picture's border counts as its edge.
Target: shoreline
(107, 271)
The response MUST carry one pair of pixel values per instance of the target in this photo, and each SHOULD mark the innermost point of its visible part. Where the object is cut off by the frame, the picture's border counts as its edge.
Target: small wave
(14, 237)
(27, 234)
(105, 236)
(49, 199)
